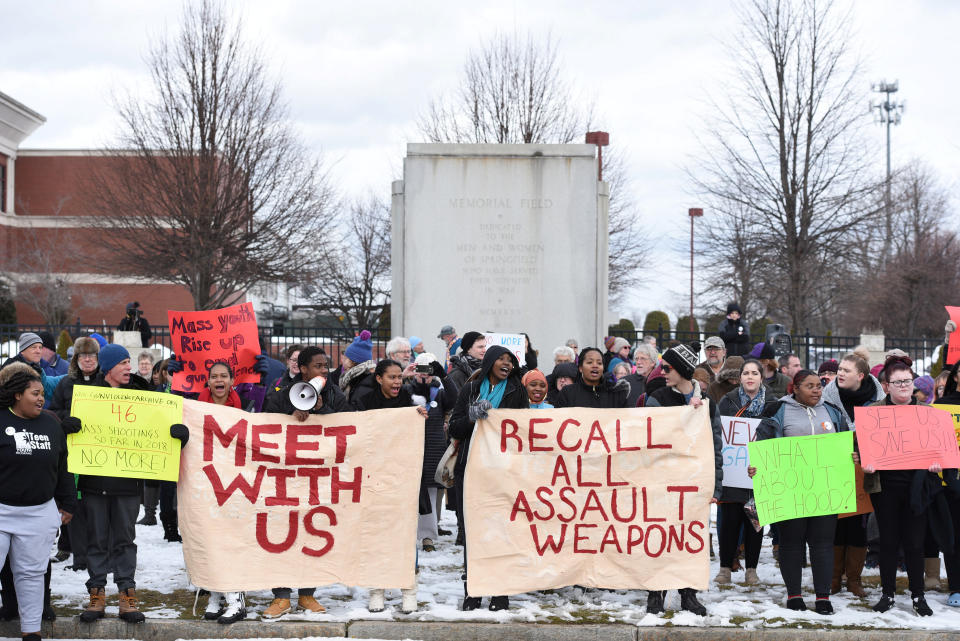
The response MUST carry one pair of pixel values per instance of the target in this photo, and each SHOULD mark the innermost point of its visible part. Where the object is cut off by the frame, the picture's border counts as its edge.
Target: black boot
(9, 611)
(655, 601)
(884, 604)
(920, 606)
(689, 602)
(470, 603)
(170, 531)
(48, 613)
(499, 603)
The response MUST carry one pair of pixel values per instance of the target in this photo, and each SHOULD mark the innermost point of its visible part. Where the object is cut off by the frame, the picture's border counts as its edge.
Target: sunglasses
(666, 368)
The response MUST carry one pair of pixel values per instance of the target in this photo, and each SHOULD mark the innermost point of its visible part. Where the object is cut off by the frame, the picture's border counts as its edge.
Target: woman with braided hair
(37, 493)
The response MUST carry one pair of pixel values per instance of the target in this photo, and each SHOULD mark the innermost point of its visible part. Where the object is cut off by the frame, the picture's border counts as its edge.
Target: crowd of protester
(916, 515)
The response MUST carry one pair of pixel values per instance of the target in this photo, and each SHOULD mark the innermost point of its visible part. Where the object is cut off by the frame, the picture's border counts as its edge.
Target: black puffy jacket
(606, 394)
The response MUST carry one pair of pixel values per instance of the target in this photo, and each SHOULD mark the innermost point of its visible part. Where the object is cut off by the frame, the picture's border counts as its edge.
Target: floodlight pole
(693, 212)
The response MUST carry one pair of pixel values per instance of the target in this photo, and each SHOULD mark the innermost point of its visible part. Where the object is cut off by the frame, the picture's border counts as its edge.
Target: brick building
(49, 232)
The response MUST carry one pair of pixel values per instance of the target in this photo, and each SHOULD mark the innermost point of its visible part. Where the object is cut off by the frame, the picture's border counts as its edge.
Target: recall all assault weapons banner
(594, 497)
(265, 501)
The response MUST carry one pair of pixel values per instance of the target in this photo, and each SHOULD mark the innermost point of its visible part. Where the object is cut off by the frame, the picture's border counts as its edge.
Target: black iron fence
(812, 349)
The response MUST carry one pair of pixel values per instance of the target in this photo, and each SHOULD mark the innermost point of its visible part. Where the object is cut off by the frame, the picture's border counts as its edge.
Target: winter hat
(567, 370)
(533, 375)
(26, 340)
(731, 367)
(614, 362)
(446, 330)
(132, 306)
(86, 345)
(414, 341)
(425, 359)
(876, 369)
(468, 340)
(47, 339)
(827, 366)
(683, 359)
(925, 384)
(361, 349)
(608, 342)
(733, 307)
(111, 356)
(100, 339)
(618, 344)
(762, 351)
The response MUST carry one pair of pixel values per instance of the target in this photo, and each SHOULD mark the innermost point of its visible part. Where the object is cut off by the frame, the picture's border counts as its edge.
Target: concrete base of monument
(171, 630)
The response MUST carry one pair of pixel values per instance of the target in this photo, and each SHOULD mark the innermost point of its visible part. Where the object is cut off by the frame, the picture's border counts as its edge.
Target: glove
(173, 365)
(950, 327)
(71, 425)
(438, 370)
(478, 410)
(261, 366)
(179, 431)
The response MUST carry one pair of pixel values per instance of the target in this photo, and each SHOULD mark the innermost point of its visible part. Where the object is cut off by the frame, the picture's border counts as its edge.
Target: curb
(173, 629)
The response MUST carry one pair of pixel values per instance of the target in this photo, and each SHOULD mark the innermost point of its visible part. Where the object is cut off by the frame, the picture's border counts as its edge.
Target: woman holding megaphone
(390, 393)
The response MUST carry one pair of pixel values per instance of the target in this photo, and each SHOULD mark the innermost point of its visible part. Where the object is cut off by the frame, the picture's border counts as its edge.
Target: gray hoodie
(831, 394)
(800, 420)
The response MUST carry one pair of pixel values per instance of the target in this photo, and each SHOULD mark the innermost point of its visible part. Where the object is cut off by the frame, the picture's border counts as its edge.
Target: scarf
(542, 405)
(495, 394)
(751, 408)
(858, 397)
(233, 399)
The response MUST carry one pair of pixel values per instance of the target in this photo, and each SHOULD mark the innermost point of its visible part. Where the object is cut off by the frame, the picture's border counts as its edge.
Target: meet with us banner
(266, 501)
(606, 498)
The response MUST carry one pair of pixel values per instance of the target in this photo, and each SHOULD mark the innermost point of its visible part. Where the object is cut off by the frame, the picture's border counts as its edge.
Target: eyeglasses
(907, 382)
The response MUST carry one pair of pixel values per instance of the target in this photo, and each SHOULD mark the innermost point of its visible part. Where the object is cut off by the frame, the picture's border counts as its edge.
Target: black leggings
(951, 558)
(899, 526)
(851, 532)
(730, 519)
(818, 532)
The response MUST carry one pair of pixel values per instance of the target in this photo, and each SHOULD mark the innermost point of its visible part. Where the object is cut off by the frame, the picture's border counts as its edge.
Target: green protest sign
(803, 476)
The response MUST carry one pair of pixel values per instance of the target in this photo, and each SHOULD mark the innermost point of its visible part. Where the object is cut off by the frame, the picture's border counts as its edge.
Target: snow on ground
(160, 569)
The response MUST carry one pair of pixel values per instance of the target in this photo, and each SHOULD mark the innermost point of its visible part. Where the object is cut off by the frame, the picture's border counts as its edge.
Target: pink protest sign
(905, 437)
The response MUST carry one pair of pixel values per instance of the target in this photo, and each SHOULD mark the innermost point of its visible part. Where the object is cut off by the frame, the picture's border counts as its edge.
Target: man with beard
(716, 351)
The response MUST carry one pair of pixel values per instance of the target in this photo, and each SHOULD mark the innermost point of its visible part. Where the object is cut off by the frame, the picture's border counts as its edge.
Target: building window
(3, 188)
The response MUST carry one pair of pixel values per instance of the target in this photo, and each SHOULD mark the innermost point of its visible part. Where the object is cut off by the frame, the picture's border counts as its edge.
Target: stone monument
(500, 238)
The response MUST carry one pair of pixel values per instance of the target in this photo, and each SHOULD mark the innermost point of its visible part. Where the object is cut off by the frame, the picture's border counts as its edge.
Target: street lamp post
(693, 212)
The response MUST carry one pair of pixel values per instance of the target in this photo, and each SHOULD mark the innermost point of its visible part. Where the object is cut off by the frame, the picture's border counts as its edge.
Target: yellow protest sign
(954, 411)
(126, 433)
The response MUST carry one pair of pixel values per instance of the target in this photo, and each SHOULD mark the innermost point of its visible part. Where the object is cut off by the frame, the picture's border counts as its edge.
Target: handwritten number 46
(124, 412)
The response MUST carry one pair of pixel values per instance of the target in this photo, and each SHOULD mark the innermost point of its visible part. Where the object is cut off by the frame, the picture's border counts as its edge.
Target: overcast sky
(357, 74)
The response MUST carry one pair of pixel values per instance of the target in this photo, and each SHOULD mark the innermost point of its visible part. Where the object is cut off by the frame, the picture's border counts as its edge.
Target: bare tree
(352, 280)
(212, 189)
(785, 166)
(514, 90)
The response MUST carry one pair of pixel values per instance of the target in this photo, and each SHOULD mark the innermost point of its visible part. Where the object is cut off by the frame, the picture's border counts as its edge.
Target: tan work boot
(309, 603)
(128, 607)
(96, 606)
(856, 557)
(723, 576)
(836, 584)
(931, 571)
(277, 608)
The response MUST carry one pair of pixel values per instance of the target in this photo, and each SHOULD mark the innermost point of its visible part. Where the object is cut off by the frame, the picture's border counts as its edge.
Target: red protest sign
(905, 437)
(953, 340)
(200, 339)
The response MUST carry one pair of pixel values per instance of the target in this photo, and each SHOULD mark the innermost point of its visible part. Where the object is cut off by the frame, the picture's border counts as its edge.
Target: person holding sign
(901, 504)
(748, 401)
(112, 505)
(37, 492)
(223, 607)
(804, 413)
(391, 393)
(678, 366)
(951, 555)
(496, 385)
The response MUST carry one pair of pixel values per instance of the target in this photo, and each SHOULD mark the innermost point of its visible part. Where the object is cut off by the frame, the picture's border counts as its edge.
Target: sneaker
(235, 610)
(723, 576)
(60, 556)
(689, 602)
(751, 577)
(884, 604)
(276, 609)
(499, 603)
(920, 606)
(148, 519)
(443, 532)
(823, 606)
(308, 603)
(796, 603)
(33, 636)
(128, 607)
(470, 603)
(214, 607)
(95, 607)
(408, 602)
(375, 603)
(428, 545)
(655, 601)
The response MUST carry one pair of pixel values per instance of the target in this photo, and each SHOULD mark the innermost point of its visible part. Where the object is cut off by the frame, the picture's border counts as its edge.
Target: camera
(424, 369)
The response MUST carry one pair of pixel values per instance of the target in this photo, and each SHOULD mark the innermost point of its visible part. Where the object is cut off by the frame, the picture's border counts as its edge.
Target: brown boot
(96, 606)
(836, 582)
(128, 607)
(854, 567)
